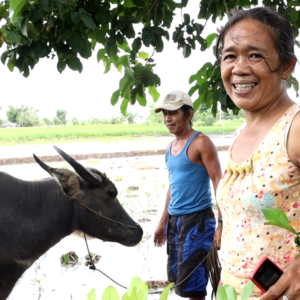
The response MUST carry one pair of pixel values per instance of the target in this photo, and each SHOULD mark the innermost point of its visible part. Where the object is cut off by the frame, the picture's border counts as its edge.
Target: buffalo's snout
(136, 237)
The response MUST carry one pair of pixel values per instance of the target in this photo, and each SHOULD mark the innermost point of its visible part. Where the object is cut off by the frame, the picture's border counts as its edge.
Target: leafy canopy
(120, 30)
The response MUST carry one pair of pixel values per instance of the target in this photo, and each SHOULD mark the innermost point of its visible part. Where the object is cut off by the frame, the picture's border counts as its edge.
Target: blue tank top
(190, 183)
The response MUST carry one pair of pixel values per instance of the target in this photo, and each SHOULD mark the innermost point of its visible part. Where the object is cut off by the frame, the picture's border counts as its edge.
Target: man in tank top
(188, 222)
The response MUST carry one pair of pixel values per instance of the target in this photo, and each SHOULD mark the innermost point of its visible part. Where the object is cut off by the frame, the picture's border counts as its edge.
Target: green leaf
(137, 44)
(88, 22)
(171, 4)
(226, 292)
(110, 293)
(11, 35)
(115, 97)
(111, 47)
(76, 42)
(66, 34)
(76, 17)
(186, 19)
(128, 3)
(125, 91)
(147, 37)
(75, 64)
(61, 65)
(35, 14)
(124, 60)
(129, 72)
(203, 87)
(187, 51)
(134, 282)
(47, 5)
(153, 92)
(92, 295)
(247, 290)
(147, 78)
(193, 89)
(86, 50)
(278, 218)
(102, 16)
(223, 98)
(11, 64)
(124, 105)
(100, 36)
(159, 45)
(123, 82)
(294, 14)
(32, 32)
(100, 54)
(41, 50)
(19, 8)
(107, 64)
(4, 57)
(13, 4)
(165, 293)
(210, 38)
(143, 55)
(141, 100)
(115, 60)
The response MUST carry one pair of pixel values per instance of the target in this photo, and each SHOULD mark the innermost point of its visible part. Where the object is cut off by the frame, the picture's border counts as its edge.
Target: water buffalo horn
(42, 164)
(82, 171)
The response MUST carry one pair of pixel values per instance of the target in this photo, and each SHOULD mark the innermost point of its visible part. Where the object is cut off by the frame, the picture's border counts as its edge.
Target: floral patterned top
(267, 179)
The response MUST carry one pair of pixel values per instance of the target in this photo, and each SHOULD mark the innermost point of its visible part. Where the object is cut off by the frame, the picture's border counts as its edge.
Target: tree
(75, 122)
(12, 114)
(61, 117)
(154, 118)
(120, 30)
(47, 121)
(24, 116)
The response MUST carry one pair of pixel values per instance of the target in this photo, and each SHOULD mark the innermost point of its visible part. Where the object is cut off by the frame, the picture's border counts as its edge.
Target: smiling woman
(256, 54)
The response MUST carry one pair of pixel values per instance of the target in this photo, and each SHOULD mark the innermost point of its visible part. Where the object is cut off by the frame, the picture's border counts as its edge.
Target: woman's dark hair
(185, 108)
(280, 28)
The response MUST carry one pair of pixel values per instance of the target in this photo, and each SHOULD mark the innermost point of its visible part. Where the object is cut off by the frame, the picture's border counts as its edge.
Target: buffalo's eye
(112, 193)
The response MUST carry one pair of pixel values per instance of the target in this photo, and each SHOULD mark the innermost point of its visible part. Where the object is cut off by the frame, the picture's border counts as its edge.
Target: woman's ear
(288, 68)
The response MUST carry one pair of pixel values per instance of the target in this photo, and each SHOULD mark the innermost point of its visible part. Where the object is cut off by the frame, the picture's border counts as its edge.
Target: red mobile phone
(265, 274)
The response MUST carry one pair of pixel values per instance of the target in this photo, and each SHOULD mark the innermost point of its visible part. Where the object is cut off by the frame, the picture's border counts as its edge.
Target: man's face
(175, 120)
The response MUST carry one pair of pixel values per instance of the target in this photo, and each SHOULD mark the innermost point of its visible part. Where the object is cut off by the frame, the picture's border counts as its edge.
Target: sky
(87, 95)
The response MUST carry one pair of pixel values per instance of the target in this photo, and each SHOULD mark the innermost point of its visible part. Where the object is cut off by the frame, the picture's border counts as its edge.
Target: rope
(93, 267)
(213, 263)
(104, 216)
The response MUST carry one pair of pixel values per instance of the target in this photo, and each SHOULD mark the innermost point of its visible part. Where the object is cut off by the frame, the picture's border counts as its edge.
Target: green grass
(103, 133)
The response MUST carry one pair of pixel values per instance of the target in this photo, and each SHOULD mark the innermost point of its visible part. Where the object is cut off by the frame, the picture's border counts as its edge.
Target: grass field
(103, 133)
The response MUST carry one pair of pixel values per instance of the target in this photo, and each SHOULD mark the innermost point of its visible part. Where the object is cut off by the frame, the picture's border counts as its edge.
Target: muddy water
(142, 184)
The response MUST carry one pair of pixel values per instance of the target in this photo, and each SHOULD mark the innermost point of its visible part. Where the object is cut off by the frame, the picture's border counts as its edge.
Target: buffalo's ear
(69, 181)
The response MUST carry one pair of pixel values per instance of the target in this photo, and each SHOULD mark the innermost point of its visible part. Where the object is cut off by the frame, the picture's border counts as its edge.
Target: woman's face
(250, 67)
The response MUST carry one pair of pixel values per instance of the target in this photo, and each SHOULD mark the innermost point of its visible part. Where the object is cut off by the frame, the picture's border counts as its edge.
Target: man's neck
(185, 135)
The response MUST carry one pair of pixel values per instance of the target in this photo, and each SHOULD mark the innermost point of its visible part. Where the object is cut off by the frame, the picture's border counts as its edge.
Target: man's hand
(159, 236)
(288, 284)
(218, 235)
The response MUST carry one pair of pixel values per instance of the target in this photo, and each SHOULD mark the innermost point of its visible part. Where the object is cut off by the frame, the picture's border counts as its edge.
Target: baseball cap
(174, 100)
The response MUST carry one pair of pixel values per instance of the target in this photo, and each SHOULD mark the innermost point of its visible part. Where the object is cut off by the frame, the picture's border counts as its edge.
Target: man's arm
(160, 232)
(210, 159)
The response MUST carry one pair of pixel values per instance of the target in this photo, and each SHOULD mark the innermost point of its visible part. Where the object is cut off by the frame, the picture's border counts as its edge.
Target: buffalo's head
(97, 211)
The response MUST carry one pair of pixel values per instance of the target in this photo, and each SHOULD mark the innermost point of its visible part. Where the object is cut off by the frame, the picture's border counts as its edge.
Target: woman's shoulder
(293, 139)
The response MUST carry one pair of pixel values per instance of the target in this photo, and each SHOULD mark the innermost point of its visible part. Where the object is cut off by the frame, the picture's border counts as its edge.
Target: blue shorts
(189, 239)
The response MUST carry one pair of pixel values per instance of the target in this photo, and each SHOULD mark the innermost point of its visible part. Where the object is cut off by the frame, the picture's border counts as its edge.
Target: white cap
(174, 100)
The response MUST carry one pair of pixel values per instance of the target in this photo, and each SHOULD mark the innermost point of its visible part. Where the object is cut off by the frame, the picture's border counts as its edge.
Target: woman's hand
(288, 284)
